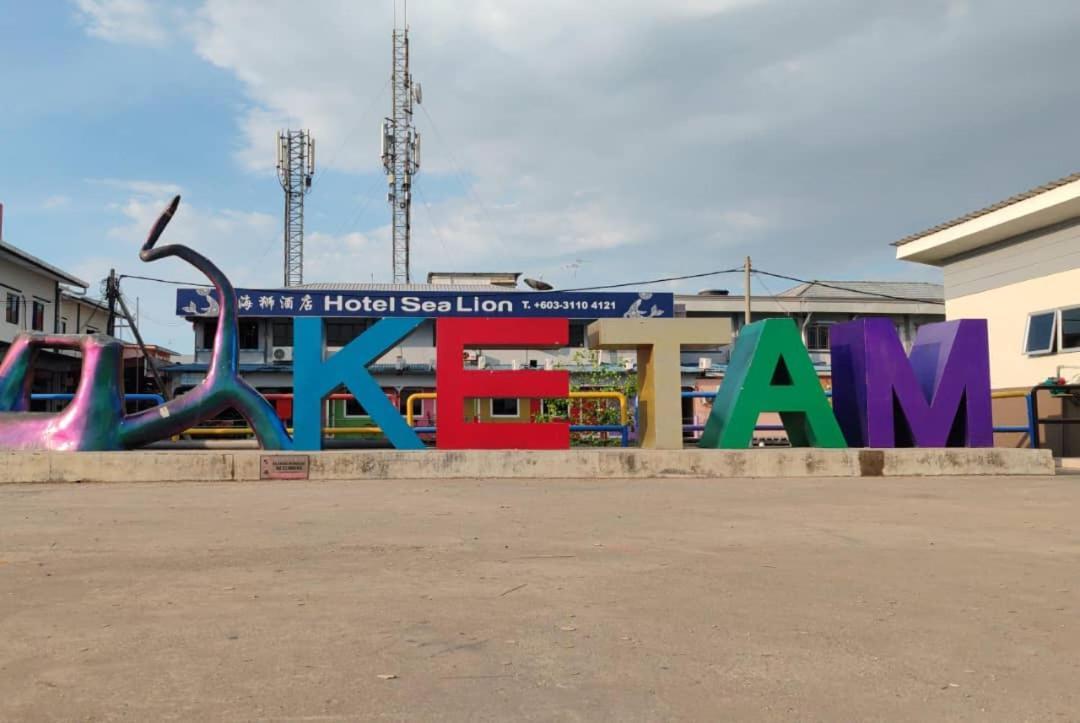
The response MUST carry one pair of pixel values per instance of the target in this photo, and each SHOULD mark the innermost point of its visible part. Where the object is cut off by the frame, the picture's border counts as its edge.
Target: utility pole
(295, 167)
(112, 291)
(746, 294)
(401, 150)
(158, 381)
(113, 297)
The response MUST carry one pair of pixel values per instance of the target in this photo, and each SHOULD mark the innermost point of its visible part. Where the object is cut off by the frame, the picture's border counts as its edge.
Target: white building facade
(1016, 264)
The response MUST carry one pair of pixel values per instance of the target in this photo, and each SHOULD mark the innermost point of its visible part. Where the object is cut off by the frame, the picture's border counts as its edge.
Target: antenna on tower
(400, 148)
(295, 167)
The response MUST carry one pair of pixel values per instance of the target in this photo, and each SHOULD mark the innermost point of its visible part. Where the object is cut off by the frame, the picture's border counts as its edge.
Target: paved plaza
(809, 599)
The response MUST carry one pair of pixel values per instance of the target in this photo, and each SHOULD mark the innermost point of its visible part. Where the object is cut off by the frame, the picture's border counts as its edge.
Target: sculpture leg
(15, 377)
(261, 417)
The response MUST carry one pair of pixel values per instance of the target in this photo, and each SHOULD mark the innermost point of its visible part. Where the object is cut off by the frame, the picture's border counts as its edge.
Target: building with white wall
(1017, 264)
(31, 293)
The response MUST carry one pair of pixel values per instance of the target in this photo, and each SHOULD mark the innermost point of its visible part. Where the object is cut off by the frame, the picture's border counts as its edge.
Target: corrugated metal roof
(907, 290)
(79, 298)
(990, 209)
(444, 288)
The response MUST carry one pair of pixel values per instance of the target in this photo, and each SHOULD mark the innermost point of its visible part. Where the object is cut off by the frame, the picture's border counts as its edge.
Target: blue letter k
(315, 377)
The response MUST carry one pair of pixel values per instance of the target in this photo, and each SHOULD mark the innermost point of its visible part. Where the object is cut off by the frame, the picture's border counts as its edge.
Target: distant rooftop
(83, 299)
(494, 278)
(908, 290)
(441, 287)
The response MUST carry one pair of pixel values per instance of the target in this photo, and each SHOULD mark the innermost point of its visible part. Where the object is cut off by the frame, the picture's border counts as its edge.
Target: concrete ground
(920, 599)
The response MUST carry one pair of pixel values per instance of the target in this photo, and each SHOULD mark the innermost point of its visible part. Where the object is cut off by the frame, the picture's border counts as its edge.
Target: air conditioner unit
(400, 363)
(281, 353)
(628, 364)
(704, 363)
(481, 362)
(515, 364)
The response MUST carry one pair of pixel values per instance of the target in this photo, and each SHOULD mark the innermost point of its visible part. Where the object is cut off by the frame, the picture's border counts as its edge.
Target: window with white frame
(504, 407)
(1040, 336)
(817, 337)
(1070, 329)
(12, 310)
(37, 316)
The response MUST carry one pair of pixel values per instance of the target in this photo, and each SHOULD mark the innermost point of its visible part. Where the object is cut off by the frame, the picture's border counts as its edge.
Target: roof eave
(32, 262)
(1046, 209)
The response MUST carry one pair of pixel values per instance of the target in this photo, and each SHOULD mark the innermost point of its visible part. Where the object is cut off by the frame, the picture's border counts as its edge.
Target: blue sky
(598, 143)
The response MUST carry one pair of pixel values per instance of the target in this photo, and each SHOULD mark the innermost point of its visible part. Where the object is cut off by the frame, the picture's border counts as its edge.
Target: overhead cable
(662, 280)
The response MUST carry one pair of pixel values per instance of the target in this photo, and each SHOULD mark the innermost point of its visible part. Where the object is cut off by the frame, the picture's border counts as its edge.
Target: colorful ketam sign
(390, 304)
(939, 396)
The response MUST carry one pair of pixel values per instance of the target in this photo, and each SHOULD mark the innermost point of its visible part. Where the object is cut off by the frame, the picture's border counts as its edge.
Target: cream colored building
(1016, 264)
(31, 293)
(32, 298)
(81, 314)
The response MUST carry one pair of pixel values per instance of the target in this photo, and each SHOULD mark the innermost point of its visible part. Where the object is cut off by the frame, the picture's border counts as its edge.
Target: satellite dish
(418, 93)
(539, 285)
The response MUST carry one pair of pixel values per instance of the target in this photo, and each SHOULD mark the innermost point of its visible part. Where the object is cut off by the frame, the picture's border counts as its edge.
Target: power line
(653, 281)
(774, 296)
(431, 220)
(665, 279)
(848, 288)
(356, 126)
(365, 197)
(459, 175)
(163, 281)
(371, 105)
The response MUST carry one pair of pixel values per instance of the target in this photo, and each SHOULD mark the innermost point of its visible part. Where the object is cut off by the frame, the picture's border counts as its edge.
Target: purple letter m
(938, 398)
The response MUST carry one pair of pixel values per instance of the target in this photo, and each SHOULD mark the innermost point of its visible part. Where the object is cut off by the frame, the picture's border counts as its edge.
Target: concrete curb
(247, 465)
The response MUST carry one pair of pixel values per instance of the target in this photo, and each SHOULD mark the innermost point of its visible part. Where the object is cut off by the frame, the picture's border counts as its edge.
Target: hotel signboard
(390, 304)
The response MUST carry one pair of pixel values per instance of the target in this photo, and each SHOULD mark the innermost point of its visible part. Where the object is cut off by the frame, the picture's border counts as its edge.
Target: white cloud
(513, 105)
(235, 240)
(137, 22)
(56, 201)
(625, 131)
(155, 189)
(245, 245)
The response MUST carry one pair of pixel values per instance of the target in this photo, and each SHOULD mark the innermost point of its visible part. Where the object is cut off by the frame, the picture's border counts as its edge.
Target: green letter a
(770, 371)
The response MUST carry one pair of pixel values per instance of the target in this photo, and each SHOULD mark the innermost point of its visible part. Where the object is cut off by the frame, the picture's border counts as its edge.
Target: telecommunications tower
(401, 151)
(295, 167)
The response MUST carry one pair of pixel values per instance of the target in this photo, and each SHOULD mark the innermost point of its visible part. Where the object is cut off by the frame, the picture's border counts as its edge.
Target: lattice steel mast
(295, 167)
(401, 152)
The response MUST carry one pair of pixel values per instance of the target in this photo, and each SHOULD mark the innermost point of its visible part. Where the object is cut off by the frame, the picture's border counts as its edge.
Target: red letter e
(454, 384)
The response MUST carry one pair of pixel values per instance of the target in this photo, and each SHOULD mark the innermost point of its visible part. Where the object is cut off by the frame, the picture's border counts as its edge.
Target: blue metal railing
(622, 429)
(1029, 428)
(58, 397)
